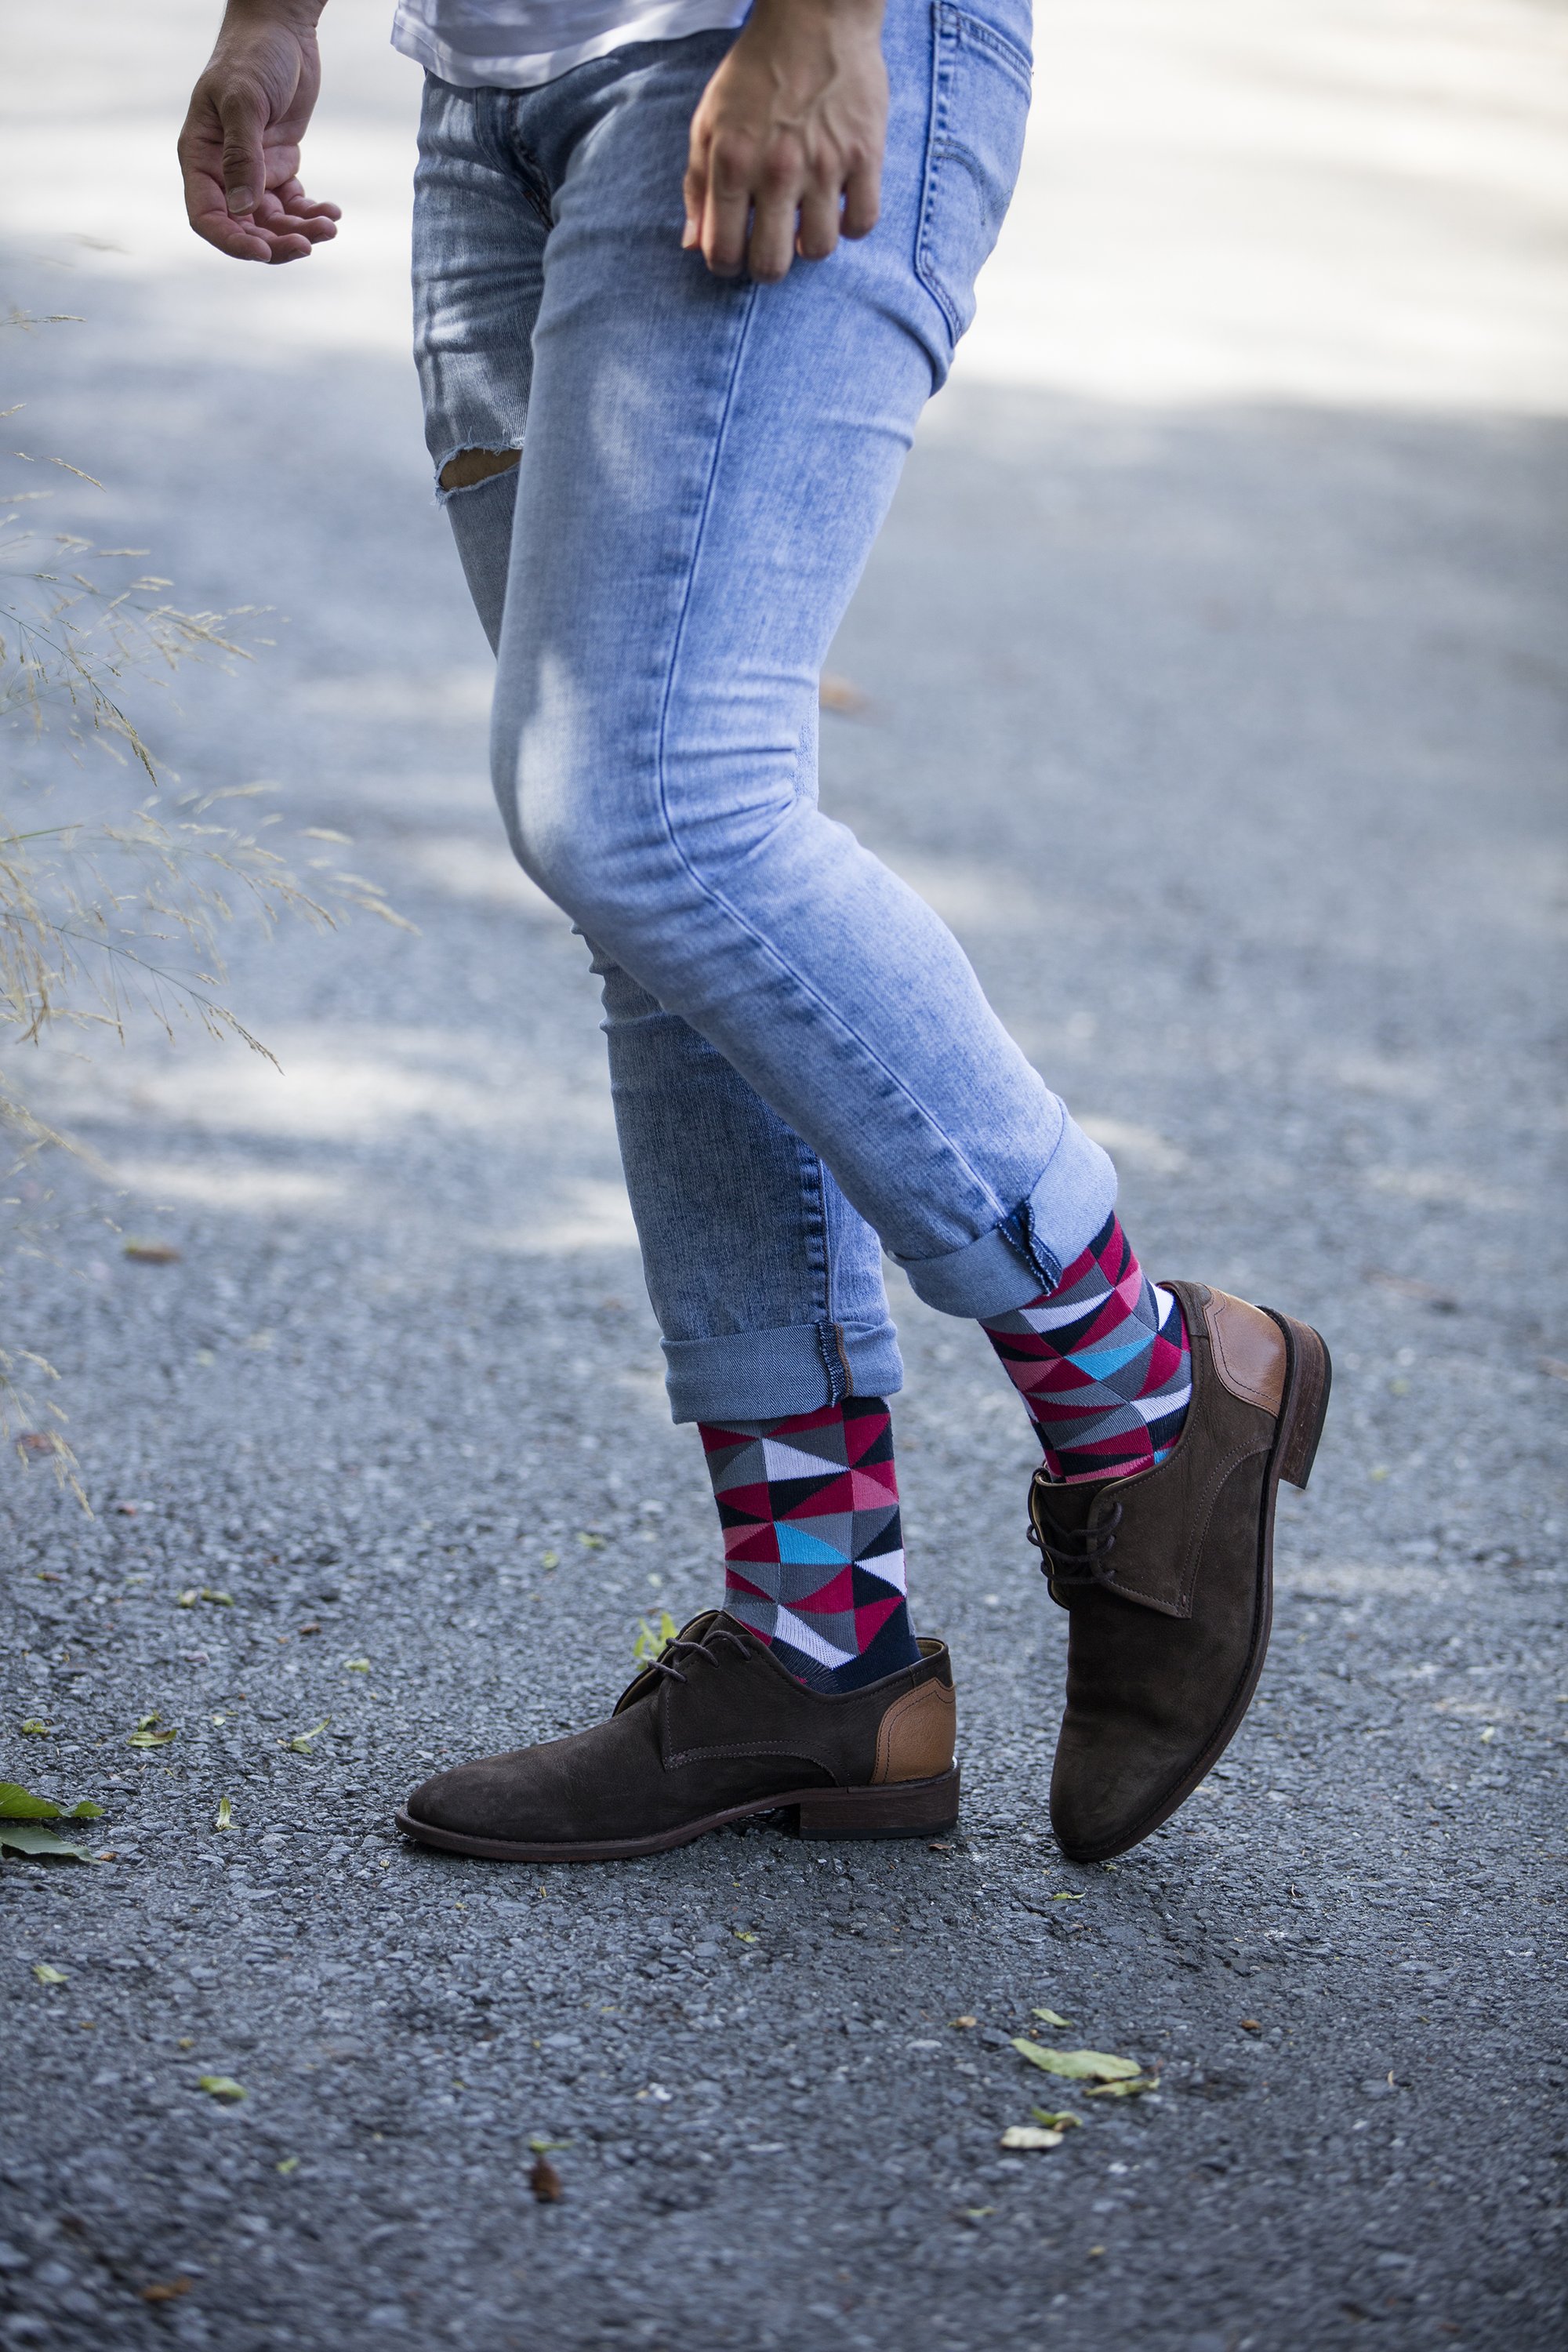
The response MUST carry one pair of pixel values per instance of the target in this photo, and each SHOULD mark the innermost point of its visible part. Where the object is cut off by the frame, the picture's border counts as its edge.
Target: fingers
(243, 117)
(862, 199)
(727, 211)
(819, 225)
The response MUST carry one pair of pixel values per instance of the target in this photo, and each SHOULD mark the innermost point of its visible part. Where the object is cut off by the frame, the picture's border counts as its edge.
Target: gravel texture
(1229, 737)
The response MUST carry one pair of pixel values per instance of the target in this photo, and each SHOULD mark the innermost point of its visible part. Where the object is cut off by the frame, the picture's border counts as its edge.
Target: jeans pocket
(979, 106)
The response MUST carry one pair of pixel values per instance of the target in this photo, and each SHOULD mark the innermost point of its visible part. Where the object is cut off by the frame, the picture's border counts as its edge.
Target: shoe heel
(1307, 1377)
(900, 1809)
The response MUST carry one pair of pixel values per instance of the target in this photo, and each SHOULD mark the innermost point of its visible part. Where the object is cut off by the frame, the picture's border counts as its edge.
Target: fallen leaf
(220, 1598)
(32, 1837)
(1050, 2017)
(549, 1559)
(1065, 2121)
(45, 1975)
(224, 1818)
(962, 2024)
(357, 1665)
(1069, 1898)
(1030, 2136)
(1133, 2088)
(545, 2181)
(188, 1599)
(301, 1743)
(35, 1727)
(165, 2290)
(19, 1804)
(1489, 1733)
(287, 2164)
(1077, 2065)
(1251, 2025)
(151, 1739)
(151, 1252)
(834, 693)
(145, 1722)
(39, 1441)
(222, 2086)
(589, 1541)
(312, 1628)
(186, 2042)
(940, 1845)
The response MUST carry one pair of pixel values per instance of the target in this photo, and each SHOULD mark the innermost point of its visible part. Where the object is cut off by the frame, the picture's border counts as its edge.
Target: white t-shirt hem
(667, 23)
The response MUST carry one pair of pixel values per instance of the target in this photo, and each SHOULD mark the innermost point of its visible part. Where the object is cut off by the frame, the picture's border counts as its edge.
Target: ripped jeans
(805, 1070)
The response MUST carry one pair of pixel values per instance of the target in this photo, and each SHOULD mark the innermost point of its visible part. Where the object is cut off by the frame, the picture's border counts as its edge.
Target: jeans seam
(715, 897)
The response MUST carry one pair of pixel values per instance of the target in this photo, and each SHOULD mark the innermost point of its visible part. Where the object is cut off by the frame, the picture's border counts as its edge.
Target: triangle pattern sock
(814, 1546)
(1102, 1362)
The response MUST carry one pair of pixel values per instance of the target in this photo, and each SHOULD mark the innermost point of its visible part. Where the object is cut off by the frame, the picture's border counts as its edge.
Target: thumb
(244, 166)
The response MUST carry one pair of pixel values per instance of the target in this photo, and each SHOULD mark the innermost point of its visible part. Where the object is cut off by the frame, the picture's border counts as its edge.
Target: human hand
(786, 141)
(239, 149)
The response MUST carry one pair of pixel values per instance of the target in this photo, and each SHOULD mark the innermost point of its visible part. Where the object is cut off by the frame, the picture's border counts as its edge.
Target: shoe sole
(1309, 1375)
(904, 1808)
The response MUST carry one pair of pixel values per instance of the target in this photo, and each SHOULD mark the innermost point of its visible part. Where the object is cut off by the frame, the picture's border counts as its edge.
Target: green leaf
(301, 1743)
(31, 1837)
(1130, 2089)
(224, 1817)
(1050, 2017)
(188, 1599)
(356, 1665)
(45, 1975)
(153, 1738)
(288, 2164)
(220, 1598)
(1069, 1898)
(1062, 2122)
(35, 1727)
(649, 1645)
(145, 1722)
(1078, 2066)
(222, 2086)
(19, 1804)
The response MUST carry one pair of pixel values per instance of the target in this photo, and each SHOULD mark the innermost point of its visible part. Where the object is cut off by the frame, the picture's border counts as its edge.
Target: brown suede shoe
(1168, 1576)
(713, 1731)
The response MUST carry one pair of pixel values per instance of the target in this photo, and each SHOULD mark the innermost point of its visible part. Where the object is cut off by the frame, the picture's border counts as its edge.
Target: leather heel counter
(915, 1737)
(1249, 1350)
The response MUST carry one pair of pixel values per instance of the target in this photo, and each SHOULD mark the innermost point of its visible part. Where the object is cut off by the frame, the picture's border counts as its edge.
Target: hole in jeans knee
(471, 466)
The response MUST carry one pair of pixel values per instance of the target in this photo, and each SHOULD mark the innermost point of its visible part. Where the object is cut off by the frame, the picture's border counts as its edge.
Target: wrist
(849, 15)
(253, 16)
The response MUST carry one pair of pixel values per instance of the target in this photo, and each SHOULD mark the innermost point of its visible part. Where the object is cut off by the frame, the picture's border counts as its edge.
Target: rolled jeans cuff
(1027, 1252)
(762, 1375)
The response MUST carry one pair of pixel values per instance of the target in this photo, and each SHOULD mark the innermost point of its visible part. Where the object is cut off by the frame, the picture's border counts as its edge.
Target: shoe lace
(706, 1645)
(1074, 1556)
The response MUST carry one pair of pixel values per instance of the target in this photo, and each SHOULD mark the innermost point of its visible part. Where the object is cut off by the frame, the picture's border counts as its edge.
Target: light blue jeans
(805, 1069)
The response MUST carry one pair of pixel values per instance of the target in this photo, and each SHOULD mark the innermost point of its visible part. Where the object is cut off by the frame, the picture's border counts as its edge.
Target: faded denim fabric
(805, 1069)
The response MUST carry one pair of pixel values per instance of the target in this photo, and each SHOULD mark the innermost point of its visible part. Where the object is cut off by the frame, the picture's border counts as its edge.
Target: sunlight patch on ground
(230, 1183)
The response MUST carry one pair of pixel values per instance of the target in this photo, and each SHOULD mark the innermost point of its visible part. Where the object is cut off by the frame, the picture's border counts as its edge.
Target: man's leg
(767, 1285)
(706, 467)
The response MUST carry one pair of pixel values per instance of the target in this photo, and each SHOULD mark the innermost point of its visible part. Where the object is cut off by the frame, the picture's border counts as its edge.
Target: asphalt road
(1222, 717)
